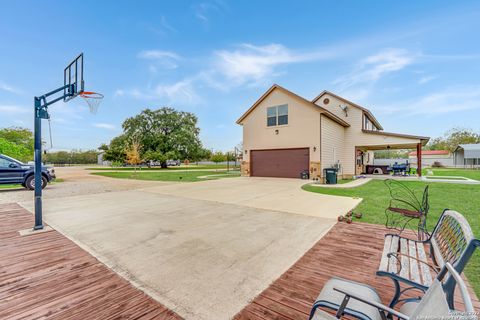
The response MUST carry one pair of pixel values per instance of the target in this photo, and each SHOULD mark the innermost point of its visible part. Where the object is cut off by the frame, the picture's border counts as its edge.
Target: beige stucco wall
(333, 140)
(302, 130)
(353, 135)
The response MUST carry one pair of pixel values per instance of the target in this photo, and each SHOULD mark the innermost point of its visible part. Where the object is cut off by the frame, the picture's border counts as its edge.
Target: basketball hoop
(93, 99)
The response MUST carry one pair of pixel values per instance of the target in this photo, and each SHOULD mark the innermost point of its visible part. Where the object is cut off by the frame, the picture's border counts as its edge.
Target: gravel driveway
(77, 181)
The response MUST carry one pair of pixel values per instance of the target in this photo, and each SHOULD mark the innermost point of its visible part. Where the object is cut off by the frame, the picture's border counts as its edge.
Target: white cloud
(160, 58)
(374, 67)
(255, 63)
(158, 54)
(203, 11)
(437, 103)
(425, 79)
(181, 92)
(8, 88)
(166, 25)
(104, 126)
(67, 113)
(14, 109)
(162, 28)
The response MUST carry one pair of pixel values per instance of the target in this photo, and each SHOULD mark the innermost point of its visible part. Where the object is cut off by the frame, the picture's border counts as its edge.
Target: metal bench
(405, 260)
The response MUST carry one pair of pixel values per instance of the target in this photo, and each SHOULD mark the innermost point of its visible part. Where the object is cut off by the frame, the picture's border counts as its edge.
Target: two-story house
(285, 134)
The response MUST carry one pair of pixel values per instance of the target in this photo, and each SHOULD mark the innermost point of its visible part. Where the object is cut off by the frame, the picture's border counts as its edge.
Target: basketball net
(93, 99)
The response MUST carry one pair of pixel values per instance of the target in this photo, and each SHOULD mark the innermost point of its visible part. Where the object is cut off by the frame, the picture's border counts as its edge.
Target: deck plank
(351, 251)
(47, 276)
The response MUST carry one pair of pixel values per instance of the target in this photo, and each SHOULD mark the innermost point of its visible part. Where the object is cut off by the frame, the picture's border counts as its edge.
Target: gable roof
(471, 146)
(288, 92)
(369, 114)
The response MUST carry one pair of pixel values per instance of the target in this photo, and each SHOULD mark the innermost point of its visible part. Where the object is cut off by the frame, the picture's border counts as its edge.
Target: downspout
(320, 146)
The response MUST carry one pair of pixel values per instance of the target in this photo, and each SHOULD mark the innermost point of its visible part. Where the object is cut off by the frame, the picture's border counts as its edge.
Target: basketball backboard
(73, 78)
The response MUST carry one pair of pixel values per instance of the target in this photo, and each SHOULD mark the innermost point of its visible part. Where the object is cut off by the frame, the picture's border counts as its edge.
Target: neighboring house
(467, 155)
(429, 157)
(285, 134)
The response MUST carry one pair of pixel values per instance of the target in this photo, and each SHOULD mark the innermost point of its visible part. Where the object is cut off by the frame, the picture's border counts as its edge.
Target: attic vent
(326, 101)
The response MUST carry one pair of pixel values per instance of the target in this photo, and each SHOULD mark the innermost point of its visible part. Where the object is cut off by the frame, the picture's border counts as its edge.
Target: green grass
(455, 172)
(10, 186)
(342, 181)
(460, 197)
(445, 178)
(189, 167)
(191, 176)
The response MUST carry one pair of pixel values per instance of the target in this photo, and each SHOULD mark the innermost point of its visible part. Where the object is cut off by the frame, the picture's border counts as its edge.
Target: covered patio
(380, 140)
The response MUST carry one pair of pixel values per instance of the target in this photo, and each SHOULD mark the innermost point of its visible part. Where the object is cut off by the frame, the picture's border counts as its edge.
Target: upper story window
(277, 116)
(368, 124)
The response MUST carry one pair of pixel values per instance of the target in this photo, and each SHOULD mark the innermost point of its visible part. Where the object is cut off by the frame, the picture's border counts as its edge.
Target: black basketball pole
(38, 165)
(41, 112)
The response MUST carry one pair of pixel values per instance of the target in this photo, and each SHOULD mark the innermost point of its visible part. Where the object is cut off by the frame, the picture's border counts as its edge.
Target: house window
(271, 116)
(277, 115)
(366, 124)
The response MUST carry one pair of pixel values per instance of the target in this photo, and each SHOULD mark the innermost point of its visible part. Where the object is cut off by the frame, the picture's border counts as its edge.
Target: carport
(381, 140)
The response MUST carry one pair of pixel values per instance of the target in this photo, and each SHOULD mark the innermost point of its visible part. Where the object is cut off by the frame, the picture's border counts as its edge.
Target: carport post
(419, 159)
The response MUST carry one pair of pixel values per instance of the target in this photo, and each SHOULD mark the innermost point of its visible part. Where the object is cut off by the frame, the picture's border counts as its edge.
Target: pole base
(29, 232)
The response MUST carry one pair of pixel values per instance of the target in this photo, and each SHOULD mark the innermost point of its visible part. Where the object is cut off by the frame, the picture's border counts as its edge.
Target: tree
(17, 143)
(115, 151)
(15, 151)
(72, 157)
(133, 154)
(391, 154)
(230, 156)
(453, 138)
(164, 134)
(218, 157)
(157, 156)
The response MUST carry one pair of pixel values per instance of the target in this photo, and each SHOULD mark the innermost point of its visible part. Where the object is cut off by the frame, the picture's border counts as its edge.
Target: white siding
(333, 139)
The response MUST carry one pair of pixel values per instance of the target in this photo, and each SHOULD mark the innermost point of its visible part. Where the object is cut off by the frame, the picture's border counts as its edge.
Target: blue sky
(415, 65)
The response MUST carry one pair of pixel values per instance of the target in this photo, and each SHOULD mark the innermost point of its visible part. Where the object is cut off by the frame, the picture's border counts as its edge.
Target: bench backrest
(452, 241)
(450, 238)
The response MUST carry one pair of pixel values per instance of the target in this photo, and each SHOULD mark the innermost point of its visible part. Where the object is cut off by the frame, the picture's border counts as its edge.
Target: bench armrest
(375, 304)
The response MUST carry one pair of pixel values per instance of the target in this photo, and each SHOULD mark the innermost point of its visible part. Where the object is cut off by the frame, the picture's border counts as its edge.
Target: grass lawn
(455, 172)
(10, 186)
(462, 198)
(189, 167)
(169, 176)
(342, 181)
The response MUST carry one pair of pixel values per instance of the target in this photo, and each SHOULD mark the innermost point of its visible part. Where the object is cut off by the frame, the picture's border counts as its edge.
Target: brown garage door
(285, 163)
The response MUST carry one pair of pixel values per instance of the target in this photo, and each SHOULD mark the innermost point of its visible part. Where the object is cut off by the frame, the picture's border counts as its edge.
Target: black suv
(13, 171)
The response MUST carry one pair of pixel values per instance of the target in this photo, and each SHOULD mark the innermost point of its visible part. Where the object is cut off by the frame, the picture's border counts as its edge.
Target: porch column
(419, 159)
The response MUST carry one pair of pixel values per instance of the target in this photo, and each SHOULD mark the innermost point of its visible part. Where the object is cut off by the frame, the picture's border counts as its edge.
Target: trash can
(330, 175)
(305, 175)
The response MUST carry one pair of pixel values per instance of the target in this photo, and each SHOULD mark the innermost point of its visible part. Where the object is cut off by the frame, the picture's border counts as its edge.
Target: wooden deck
(47, 276)
(351, 251)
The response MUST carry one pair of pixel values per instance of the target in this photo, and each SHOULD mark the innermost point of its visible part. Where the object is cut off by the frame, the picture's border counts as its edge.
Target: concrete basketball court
(202, 249)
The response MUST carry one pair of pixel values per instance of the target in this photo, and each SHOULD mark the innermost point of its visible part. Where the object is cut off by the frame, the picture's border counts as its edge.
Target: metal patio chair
(363, 302)
(405, 208)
